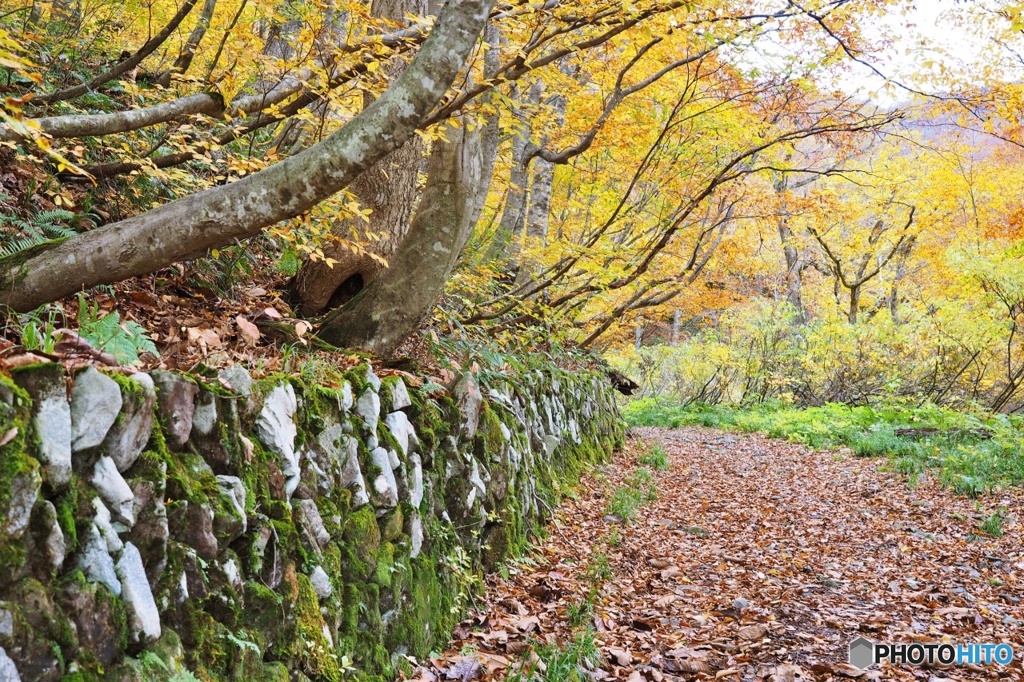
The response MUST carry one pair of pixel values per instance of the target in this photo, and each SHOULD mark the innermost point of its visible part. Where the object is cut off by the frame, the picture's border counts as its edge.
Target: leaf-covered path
(759, 560)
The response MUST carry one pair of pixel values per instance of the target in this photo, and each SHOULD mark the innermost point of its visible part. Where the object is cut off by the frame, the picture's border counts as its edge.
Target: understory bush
(760, 352)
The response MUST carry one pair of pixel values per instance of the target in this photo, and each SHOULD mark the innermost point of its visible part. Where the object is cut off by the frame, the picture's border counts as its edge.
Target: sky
(944, 38)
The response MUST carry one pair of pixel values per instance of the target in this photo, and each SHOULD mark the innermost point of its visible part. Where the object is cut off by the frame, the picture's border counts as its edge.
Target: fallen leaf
(753, 632)
(786, 673)
(250, 332)
(666, 600)
(528, 624)
(621, 656)
(635, 676)
(465, 670)
(8, 436)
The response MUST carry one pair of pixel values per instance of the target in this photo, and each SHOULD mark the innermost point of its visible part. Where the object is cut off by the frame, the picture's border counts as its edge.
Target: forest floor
(757, 560)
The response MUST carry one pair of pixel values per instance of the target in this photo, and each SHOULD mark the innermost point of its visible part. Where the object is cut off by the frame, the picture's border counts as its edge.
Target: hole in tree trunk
(346, 291)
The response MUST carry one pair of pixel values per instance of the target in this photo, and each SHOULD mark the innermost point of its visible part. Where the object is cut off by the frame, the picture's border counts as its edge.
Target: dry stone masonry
(164, 526)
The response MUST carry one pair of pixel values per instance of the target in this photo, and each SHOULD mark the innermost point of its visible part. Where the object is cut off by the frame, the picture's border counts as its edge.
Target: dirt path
(759, 560)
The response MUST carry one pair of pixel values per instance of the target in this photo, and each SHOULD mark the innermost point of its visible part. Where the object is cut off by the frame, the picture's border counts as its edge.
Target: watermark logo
(864, 653)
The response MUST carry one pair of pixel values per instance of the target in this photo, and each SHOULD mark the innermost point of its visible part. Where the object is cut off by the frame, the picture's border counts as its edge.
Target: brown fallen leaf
(621, 656)
(516, 647)
(250, 333)
(660, 563)
(464, 670)
(528, 624)
(8, 436)
(787, 673)
(726, 673)
(752, 632)
(847, 670)
(635, 676)
(671, 572)
(666, 600)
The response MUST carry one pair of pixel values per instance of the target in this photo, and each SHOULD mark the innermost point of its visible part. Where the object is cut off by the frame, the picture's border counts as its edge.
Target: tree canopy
(609, 175)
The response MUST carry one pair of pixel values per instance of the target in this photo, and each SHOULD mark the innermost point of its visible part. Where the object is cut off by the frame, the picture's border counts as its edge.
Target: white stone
(52, 422)
(145, 619)
(130, 432)
(96, 563)
(321, 582)
(347, 399)
(372, 378)
(403, 431)
(476, 481)
(17, 512)
(368, 407)
(276, 428)
(385, 484)
(505, 432)
(232, 574)
(8, 671)
(400, 396)
(394, 459)
(105, 527)
(237, 378)
(233, 489)
(204, 417)
(6, 623)
(416, 536)
(550, 444)
(95, 403)
(351, 474)
(416, 481)
(53, 546)
(114, 490)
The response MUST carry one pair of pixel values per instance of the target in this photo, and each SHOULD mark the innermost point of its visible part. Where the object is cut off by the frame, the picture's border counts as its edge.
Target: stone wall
(169, 527)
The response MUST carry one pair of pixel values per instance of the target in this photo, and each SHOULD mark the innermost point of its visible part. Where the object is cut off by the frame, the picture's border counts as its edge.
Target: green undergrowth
(971, 452)
(637, 490)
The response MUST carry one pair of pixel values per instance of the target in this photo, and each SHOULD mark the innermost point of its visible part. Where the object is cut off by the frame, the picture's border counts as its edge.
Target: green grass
(972, 452)
(655, 458)
(993, 525)
(568, 662)
(637, 490)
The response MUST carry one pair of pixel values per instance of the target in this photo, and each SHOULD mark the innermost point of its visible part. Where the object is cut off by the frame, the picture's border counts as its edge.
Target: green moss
(311, 650)
(15, 464)
(362, 542)
(385, 564)
(391, 524)
(489, 432)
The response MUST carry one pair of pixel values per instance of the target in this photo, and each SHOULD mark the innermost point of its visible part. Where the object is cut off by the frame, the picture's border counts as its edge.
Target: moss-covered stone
(244, 607)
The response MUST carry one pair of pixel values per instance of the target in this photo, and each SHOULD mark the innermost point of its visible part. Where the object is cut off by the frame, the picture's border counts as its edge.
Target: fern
(43, 227)
(124, 340)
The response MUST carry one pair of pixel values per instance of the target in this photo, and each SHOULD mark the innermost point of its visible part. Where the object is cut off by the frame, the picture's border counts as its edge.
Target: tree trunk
(676, 316)
(216, 217)
(539, 206)
(388, 189)
(391, 307)
(188, 51)
(851, 315)
(513, 217)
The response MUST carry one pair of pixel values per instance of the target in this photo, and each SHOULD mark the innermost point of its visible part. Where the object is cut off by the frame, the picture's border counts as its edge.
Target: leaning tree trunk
(388, 189)
(387, 311)
(217, 217)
